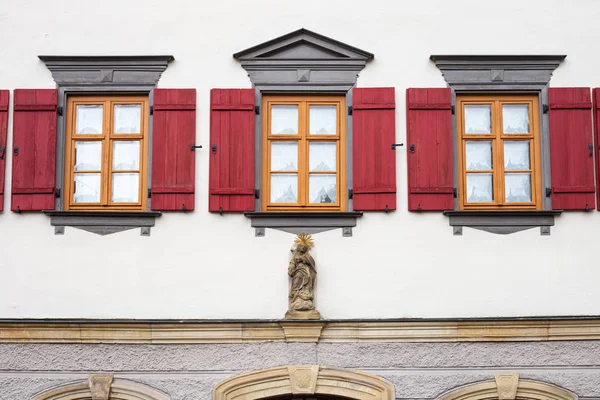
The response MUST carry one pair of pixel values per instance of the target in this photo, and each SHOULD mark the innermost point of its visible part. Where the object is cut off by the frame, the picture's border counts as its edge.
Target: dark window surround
(106, 75)
(502, 74)
(303, 62)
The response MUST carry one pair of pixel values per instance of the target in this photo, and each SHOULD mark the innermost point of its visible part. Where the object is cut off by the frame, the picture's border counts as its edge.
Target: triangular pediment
(303, 45)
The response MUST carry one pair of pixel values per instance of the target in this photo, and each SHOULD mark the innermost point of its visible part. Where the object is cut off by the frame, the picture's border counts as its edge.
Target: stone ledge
(307, 222)
(324, 331)
(502, 222)
(103, 222)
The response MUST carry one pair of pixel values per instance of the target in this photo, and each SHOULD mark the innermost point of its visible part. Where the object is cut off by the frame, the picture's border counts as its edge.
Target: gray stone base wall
(186, 372)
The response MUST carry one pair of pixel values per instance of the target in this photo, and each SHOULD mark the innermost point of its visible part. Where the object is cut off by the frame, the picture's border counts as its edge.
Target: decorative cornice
(106, 70)
(182, 332)
(489, 72)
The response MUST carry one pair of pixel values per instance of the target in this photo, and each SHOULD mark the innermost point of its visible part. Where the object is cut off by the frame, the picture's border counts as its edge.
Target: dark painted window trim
(103, 222)
(332, 68)
(307, 222)
(502, 74)
(106, 75)
(502, 222)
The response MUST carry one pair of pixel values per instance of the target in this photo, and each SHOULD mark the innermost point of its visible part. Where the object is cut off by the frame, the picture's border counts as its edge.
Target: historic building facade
(318, 200)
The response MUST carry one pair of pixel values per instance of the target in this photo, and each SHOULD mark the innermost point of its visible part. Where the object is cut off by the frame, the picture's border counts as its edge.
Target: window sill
(502, 222)
(103, 222)
(307, 222)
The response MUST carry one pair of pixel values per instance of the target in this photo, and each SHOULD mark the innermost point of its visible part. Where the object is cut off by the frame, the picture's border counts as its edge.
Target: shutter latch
(394, 145)
(412, 148)
(350, 194)
(213, 149)
(194, 147)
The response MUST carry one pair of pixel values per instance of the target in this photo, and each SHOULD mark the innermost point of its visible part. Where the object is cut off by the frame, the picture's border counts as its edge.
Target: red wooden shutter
(3, 128)
(34, 150)
(596, 97)
(373, 159)
(231, 150)
(173, 158)
(429, 137)
(571, 148)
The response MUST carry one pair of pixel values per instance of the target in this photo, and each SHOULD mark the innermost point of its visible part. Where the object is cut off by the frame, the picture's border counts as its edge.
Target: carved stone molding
(323, 331)
(95, 389)
(100, 386)
(304, 379)
(106, 70)
(303, 58)
(494, 72)
(493, 390)
(507, 385)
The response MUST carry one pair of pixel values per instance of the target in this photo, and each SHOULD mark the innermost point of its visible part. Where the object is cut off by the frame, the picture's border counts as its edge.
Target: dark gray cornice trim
(103, 222)
(307, 222)
(497, 72)
(300, 34)
(502, 222)
(106, 70)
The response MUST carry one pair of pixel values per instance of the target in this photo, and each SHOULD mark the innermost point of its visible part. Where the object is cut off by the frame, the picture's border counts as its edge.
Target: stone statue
(303, 273)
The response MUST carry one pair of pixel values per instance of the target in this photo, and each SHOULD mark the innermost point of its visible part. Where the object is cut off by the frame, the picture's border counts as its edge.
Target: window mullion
(106, 153)
(499, 153)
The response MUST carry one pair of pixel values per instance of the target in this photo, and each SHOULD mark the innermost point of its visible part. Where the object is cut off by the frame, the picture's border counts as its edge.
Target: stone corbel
(100, 386)
(507, 385)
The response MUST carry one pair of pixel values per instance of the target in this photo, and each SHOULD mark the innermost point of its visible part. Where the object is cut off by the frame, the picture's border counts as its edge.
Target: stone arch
(508, 386)
(103, 387)
(304, 380)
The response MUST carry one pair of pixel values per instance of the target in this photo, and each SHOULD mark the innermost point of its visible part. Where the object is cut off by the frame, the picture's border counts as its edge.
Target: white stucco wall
(201, 265)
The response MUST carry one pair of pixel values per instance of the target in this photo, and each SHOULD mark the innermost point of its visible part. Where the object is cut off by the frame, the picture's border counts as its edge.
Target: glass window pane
(87, 188)
(322, 188)
(515, 118)
(323, 120)
(88, 119)
(125, 187)
(284, 119)
(479, 156)
(88, 156)
(517, 187)
(284, 156)
(128, 118)
(478, 119)
(126, 155)
(284, 188)
(516, 155)
(322, 156)
(479, 188)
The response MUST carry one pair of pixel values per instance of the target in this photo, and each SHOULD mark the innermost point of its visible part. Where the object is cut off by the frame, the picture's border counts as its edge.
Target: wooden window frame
(304, 138)
(498, 137)
(107, 138)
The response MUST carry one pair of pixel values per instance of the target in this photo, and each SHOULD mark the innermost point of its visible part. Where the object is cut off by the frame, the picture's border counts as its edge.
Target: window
(499, 162)
(303, 140)
(105, 153)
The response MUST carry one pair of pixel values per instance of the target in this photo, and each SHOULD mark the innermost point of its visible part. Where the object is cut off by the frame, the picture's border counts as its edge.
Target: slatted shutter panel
(596, 102)
(173, 158)
(231, 150)
(34, 149)
(4, 94)
(373, 157)
(571, 148)
(429, 139)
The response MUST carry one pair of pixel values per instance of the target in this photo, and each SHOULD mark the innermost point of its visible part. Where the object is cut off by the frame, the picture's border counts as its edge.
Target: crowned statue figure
(303, 274)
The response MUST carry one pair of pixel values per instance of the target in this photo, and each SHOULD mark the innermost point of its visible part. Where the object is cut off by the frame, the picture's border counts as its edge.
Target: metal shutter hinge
(545, 108)
(349, 110)
(257, 193)
(57, 193)
(453, 109)
(455, 192)
(151, 110)
(59, 110)
(548, 191)
(257, 110)
(350, 194)
(149, 193)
